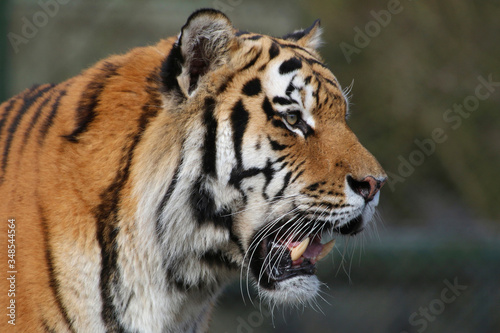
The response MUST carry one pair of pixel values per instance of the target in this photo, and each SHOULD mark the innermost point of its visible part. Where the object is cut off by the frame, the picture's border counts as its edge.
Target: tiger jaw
(285, 260)
(283, 257)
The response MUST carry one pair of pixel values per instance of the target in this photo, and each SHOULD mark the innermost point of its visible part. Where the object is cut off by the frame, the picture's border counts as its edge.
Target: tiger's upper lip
(353, 227)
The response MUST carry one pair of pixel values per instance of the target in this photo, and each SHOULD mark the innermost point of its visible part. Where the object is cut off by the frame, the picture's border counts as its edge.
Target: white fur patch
(298, 289)
(276, 85)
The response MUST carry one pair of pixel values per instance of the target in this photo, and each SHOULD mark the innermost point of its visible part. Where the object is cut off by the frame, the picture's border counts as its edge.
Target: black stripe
(47, 328)
(326, 100)
(298, 175)
(218, 258)
(255, 37)
(237, 175)
(290, 65)
(252, 87)
(166, 198)
(107, 220)
(291, 87)
(268, 172)
(204, 208)
(237, 241)
(282, 100)
(299, 34)
(298, 165)
(275, 145)
(261, 68)
(6, 111)
(241, 33)
(279, 123)
(294, 36)
(295, 46)
(286, 182)
(316, 92)
(268, 109)
(89, 101)
(28, 101)
(34, 119)
(225, 84)
(171, 68)
(239, 121)
(28, 98)
(178, 283)
(252, 62)
(325, 79)
(185, 287)
(271, 113)
(49, 121)
(312, 187)
(210, 145)
(274, 50)
(53, 280)
(281, 159)
(132, 294)
(312, 61)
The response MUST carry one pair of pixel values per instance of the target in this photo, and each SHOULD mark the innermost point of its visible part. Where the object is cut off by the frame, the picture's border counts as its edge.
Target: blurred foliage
(3, 53)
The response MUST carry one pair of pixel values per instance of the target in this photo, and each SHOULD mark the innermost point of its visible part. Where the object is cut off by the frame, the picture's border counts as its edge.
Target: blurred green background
(421, 103)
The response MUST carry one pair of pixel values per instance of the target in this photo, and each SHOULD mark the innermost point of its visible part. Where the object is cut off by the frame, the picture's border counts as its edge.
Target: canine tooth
(297, 251)
(326, 249)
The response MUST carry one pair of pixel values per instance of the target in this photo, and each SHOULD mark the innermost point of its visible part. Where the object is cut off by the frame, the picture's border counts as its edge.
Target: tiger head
(276, 169)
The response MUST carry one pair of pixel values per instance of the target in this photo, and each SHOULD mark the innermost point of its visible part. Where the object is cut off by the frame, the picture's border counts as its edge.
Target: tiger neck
(182, 245)
(172, 290)
(172, 250)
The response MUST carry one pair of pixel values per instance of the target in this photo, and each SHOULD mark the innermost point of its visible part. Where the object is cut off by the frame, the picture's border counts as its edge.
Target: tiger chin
(142, 186)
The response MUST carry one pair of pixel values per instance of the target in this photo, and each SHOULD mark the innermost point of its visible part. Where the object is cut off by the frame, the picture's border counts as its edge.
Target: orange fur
(57, 182)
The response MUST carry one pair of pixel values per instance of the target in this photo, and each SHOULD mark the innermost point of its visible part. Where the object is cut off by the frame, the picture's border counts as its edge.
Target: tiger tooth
(326, 249)
(299, 250)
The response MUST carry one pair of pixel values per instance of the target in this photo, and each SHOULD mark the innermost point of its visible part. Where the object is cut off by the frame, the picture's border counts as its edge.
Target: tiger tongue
(313, 250)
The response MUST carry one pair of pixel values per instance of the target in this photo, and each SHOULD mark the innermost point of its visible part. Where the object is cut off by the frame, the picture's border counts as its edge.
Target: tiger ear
(204, 43)
(308, 38)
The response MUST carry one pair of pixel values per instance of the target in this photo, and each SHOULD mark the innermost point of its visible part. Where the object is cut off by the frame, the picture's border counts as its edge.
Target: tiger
(138, 189)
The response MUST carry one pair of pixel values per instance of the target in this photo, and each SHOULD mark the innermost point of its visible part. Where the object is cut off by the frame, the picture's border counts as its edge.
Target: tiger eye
(292, 119)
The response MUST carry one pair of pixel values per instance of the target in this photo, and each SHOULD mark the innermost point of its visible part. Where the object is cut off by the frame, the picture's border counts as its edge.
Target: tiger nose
(367, 187)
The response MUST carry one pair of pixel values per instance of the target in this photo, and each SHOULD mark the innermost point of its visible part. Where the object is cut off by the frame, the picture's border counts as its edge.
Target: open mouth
(284, 254)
